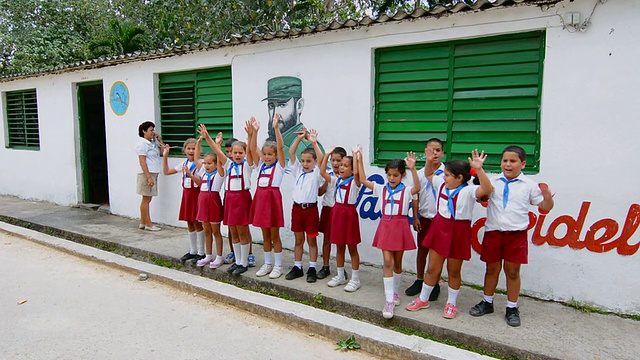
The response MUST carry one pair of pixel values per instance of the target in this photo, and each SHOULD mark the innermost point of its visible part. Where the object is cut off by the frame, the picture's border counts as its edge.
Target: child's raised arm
(279, 140)
(476, 161)
(253, 141)
(411, 163)
(165, 161)
(202, 129)
(323, 166)
(356, 171)
(357, 157)
(313, 137)
(294, 147)
(429, 166)
(198, 152)
(547, 204)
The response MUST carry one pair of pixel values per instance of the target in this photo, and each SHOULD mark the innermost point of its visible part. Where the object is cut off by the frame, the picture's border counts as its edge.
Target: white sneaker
(352, 286)
(141, 226)
(264, 270)
(276, 272)
(337, 280)
(152, 228)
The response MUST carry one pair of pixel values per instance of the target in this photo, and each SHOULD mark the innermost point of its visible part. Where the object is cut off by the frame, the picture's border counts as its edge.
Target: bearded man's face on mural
(289, 111)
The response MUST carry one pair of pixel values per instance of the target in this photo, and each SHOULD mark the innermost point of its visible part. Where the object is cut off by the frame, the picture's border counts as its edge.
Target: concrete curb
(374, 339)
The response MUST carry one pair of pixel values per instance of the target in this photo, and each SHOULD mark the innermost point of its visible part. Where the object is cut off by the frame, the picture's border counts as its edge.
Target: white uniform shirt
(306, 185)
(428, 194)
(515, 216)
(237, 175)
(151, 150)
(329, 199)
(214, 180)
(340, 192)
(464, 200)
(265, 173)
(398, 204)
(186, 181)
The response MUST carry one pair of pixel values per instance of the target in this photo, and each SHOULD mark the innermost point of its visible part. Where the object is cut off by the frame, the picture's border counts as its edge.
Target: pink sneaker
(417, 304)
(387, 311)
(215, 265)
(450, 311)
(396, 299)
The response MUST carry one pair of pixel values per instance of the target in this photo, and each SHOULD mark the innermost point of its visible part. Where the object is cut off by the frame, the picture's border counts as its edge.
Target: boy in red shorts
(304, 214)
(505, 242)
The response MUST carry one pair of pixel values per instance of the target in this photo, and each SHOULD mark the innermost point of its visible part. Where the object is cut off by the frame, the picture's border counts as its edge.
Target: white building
(559, 78)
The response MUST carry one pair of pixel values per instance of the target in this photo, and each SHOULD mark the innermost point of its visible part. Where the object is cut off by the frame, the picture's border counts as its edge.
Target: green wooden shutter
(22, 119)
(483, 93)
(191, 98)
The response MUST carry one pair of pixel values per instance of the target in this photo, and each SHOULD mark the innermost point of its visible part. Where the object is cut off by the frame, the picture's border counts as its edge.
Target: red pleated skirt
(394, 234)
(325, 220)
(450, 238)
(237, 208)
(209, 207)
(266, 208)
(189, 204)
(345, 225)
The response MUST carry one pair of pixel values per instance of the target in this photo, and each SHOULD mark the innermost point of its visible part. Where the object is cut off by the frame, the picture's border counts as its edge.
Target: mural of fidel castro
(284, 97)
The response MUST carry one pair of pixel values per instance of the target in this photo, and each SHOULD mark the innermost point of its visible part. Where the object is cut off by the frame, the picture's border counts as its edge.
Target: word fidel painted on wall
(599, 238)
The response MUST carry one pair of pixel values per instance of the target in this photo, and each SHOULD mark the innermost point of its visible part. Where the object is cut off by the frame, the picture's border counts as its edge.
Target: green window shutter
(191, 98)
(22, 119)
(490, 98)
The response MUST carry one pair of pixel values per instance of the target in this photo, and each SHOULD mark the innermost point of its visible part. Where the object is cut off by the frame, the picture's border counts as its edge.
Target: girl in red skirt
(189, 203)
(237, 168)
(449, 236)
(345, 223)
(393, 235)
(266, 207)
(210, 179)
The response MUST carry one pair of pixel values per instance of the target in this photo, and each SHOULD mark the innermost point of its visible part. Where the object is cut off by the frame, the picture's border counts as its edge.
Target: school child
(328, 200)
(449, 237)
(237, 169)
(304, 213)
(424, 209)
(189, 202)
(210, 178)
(505, 243)
(393, 235)
(231, 257)
(345, 222)
(266, 208)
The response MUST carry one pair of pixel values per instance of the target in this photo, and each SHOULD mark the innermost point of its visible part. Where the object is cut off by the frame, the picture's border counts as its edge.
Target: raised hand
(202, 130)
(313, 136)
(477, 159)
(248, 128)
(165, 150)
(219, 138)
(428, 154)
(276, 121)
(256, 124)
(302, 133)
(411, 160)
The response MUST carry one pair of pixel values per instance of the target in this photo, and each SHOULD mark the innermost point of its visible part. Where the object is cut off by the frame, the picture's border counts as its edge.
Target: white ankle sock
(453, 296)
(396, 282)
(267, 258)
(193, 243)
(488, 299)
(278, 258)
(244, 254)
(355, 275)
(236, 252)
(312, 264)
(512, 304)
(341, 273)
(425, 292)
(219, 260)
(200, 242)
(388, 288)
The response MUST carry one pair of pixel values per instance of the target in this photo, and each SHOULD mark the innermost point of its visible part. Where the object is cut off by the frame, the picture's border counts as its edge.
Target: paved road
(79, 309)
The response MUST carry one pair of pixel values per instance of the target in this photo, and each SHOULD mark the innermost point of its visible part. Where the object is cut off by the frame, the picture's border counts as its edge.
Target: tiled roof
(436, 11)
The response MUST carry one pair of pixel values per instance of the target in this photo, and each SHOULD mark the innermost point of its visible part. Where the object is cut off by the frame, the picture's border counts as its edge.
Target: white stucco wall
(588, 128)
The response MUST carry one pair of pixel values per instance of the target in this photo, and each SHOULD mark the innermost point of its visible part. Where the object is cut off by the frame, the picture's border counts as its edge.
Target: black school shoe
(239, 270)
(481, 308)
(513, 317)
(294, 273)
(435, 293)
(232, 268)
(188, 256)
(324, 272)
(416, 288)
(311, 275)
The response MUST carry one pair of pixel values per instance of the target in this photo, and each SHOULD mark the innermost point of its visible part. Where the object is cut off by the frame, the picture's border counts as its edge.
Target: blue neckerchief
(303, 175)
(266, 167)
(450, 197)
(191, 168)
(342, 183)
(210, 176)
(235, 166)
(430, 184)
(390, 194)
(505, 193)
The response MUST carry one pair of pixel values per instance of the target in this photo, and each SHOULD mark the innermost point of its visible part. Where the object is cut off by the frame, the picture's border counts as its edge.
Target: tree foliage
(42, 34)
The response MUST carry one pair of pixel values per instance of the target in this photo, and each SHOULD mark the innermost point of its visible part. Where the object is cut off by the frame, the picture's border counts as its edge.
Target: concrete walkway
(549, 330)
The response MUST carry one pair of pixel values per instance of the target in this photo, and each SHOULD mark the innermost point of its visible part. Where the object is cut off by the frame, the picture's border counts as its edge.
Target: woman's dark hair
(459, 167)
(144, 127)
(396, 164)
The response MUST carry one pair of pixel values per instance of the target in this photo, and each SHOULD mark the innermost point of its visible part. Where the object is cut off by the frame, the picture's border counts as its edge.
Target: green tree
(120, 38)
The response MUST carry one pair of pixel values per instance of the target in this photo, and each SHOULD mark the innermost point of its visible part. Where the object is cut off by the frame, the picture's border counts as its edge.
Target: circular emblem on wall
(119, 98)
